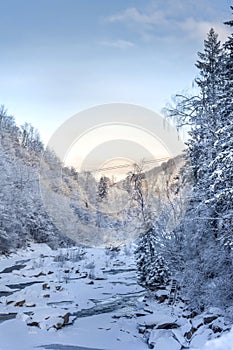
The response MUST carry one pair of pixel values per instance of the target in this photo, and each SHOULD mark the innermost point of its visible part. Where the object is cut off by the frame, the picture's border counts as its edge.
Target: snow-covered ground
(62, 297)
(75, 300)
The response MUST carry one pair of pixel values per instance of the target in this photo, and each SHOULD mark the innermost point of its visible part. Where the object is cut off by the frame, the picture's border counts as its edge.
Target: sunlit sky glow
(59, 57)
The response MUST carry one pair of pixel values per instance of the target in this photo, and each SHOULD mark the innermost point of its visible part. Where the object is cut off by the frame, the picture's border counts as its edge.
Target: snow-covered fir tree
(221, 180)
(103, 187)
(207, 265)
(153, 272)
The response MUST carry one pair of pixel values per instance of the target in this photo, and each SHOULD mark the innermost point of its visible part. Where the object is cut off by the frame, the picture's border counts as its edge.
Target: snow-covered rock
(201, 337)
(225, 342)
(157, 319)
(163, 340)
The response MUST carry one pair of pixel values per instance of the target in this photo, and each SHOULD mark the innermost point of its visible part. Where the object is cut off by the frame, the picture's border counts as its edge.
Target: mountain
(43, 201)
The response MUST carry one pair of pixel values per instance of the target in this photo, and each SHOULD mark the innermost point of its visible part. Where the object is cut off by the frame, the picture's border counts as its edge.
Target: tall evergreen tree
(221, 180)
(209, 149)
(103, 188)
(153, 272)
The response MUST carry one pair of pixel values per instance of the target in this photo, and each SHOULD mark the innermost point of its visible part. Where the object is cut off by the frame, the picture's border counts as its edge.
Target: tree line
(198, 252)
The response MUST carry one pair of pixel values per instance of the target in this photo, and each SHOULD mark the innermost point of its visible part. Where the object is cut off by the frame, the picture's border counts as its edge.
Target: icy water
(99, 292)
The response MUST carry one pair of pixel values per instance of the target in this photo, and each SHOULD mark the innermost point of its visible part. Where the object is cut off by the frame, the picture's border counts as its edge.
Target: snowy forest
(174, 236)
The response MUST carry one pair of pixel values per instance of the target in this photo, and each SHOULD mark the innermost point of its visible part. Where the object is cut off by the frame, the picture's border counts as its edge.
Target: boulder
(163, 340)
(209, 319)
(46, 296)
(201, 337)
(45, 286)
(30, 304)
(188, 335)
(197, 321)
(33, 324)
(20, 303)
(167, 326)
(161, 295)
(189, 314)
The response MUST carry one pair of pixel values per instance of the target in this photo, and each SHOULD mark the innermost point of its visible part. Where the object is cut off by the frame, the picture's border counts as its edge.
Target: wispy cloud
(119, 44)
(198, 29)
(161, 21)
(133, 15)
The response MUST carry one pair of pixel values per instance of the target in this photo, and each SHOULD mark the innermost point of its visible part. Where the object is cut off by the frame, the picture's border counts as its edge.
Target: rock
(140, 314)
(116, 316)
(122, 314)
(99, 276)
(33, 324)
(189, 314)
(59, 325)
(209, 319)
(30, 304)
(20, 303)
(46, 296)
(197, 322)
(155, 319)
(58, 288)
(163, 340)
(188, 335)
(63, 321)
(91, 282)
(66, 271)
(218, 325)
(148, 311)
(161, 292)
(141, 329)
(40, 274)
(161, 295)
(50, 273)
(167, 326)
(201, 337)
(178, 335)
(66, 318)
(162, 298)
(215, 311)
(45, 286)
(23, 317)
(216, 329)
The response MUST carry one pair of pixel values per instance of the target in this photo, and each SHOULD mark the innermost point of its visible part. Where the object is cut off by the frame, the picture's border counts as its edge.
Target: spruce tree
(209, 150)
(221, 180)
(103, 188)
(153, 272)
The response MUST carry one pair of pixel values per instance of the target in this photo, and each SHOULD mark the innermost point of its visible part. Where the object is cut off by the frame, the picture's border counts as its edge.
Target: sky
(59, 57)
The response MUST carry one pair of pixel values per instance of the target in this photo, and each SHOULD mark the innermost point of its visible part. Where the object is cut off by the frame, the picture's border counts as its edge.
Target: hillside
(45, 202)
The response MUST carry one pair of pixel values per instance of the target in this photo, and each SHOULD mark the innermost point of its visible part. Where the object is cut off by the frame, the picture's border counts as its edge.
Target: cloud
(199, 29)
(162, 21)
(134, 16)
(119, 44)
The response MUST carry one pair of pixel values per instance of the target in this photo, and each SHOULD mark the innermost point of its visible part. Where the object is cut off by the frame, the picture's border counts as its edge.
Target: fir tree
(103, 187)
(221, 180)
(209, 150)
(152, 270)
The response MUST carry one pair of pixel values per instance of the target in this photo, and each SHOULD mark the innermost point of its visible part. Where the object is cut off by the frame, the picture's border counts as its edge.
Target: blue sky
(59, 57)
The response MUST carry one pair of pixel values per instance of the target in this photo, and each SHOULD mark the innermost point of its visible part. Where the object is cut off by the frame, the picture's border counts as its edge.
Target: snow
(64, 287)
(225, 342)
(158, 318)
(200, 338)
(164, 340)
(91, 301)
